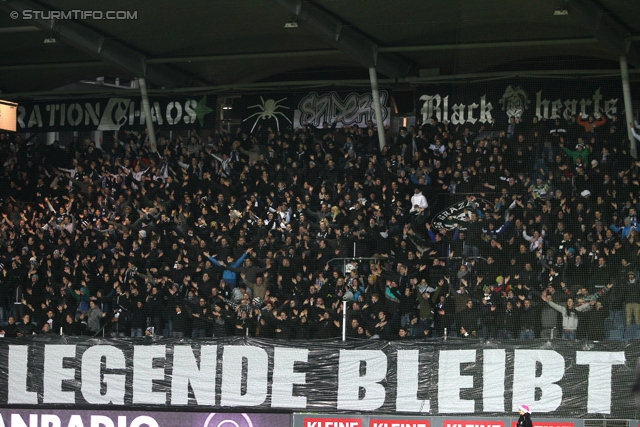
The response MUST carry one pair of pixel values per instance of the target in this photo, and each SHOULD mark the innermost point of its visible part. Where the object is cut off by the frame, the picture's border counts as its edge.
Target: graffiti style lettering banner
(92, 418)
(284, 111)
(348, 109)
(454, 378)
(480, 104)
(115, 113)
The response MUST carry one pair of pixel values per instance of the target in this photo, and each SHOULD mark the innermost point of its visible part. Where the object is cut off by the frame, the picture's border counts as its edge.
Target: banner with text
(294, 110)
(315, 420)
(457, 377)
(115, 113)
(99, 418)
(479, 104)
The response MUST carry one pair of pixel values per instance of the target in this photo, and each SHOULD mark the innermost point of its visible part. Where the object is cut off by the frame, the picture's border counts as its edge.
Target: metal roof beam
(388, 49)
(266, 86)
(23, 29)
(49, 65)
(318, 52)
(346, 38)
(239, 56)
(604, 27)
(111, 51)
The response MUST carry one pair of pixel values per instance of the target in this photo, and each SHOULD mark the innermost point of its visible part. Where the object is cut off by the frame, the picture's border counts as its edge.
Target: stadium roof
(224, 45)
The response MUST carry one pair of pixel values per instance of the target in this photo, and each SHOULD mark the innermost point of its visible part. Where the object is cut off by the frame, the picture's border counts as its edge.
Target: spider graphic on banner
(268, 109)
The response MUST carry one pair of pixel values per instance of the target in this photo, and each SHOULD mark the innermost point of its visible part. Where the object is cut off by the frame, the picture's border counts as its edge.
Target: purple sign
(99, 418)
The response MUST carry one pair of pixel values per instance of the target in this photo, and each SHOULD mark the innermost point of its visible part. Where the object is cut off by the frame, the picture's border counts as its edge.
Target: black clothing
(525, 420)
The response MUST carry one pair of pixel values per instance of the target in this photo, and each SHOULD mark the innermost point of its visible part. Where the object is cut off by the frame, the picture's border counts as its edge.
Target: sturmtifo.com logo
(76, 14)
(228, 420)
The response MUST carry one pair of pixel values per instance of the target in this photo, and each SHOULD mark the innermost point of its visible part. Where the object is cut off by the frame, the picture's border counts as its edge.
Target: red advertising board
(472, 423)
(332, 422)
(546, 424)
(397, 423)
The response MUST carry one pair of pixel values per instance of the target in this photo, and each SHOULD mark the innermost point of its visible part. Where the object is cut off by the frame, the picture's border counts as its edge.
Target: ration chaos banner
(115, 113)
(457, 377)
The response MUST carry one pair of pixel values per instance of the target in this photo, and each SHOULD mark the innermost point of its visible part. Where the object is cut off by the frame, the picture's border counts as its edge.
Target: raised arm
(557, 307)
(212, 259)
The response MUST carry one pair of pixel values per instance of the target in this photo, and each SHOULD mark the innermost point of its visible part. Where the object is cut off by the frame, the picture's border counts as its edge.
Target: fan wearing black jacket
(525, 417)
(10, 330)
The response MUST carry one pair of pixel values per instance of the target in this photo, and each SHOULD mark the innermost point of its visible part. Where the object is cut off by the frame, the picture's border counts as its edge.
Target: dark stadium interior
(245, 42)
(378, 213)
(507, 170)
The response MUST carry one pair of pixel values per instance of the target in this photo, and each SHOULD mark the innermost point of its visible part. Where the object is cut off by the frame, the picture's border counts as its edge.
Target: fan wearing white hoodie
(418, 201)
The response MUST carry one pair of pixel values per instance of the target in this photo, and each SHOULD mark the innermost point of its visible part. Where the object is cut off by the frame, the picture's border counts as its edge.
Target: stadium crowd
(520, 230)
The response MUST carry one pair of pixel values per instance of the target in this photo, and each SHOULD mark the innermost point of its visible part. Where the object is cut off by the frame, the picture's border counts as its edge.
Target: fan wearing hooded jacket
(418, 200)
(580, 151)
(569, 315)
(525, 417)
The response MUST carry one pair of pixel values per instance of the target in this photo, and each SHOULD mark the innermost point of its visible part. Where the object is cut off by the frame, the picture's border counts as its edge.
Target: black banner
(556, 378)
(480, 103)
(294, 110)
(111, 114)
